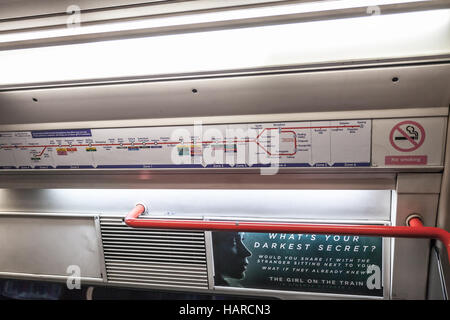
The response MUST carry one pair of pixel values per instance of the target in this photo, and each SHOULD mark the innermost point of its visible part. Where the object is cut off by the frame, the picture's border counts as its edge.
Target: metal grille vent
(164, 258)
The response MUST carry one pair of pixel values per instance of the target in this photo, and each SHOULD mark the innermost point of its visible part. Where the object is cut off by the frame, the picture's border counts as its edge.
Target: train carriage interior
(224, 150)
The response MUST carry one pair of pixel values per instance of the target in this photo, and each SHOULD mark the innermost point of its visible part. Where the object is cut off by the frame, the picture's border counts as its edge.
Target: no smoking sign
(408, 141)
(407, 136)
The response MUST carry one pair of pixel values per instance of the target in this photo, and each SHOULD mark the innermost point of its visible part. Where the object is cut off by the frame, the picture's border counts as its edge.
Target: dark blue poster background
(299, 262)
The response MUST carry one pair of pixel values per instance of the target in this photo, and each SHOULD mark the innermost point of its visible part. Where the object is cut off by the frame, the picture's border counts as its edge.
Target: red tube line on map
(42, 152)
(300, 128)
(174, 142)
(414, 230)
(111, 144)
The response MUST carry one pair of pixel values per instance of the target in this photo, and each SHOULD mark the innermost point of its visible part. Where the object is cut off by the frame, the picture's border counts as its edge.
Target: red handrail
(414, 230)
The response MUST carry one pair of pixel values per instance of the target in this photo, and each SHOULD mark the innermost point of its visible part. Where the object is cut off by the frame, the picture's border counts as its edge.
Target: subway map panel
(341, 143)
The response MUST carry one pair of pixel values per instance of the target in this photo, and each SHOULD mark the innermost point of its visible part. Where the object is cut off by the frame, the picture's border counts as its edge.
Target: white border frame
(386, 265)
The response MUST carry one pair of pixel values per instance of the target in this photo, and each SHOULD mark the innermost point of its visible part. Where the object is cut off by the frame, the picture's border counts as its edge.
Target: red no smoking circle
(407, 136)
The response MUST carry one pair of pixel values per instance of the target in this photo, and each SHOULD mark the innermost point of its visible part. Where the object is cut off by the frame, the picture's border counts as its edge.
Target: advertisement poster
(299, 262)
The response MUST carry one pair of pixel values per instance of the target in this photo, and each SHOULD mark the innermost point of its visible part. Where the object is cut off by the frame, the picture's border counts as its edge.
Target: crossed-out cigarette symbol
(413, 133)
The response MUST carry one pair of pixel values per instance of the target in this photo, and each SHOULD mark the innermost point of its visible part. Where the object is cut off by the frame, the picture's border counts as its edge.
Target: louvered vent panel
(153, 257)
